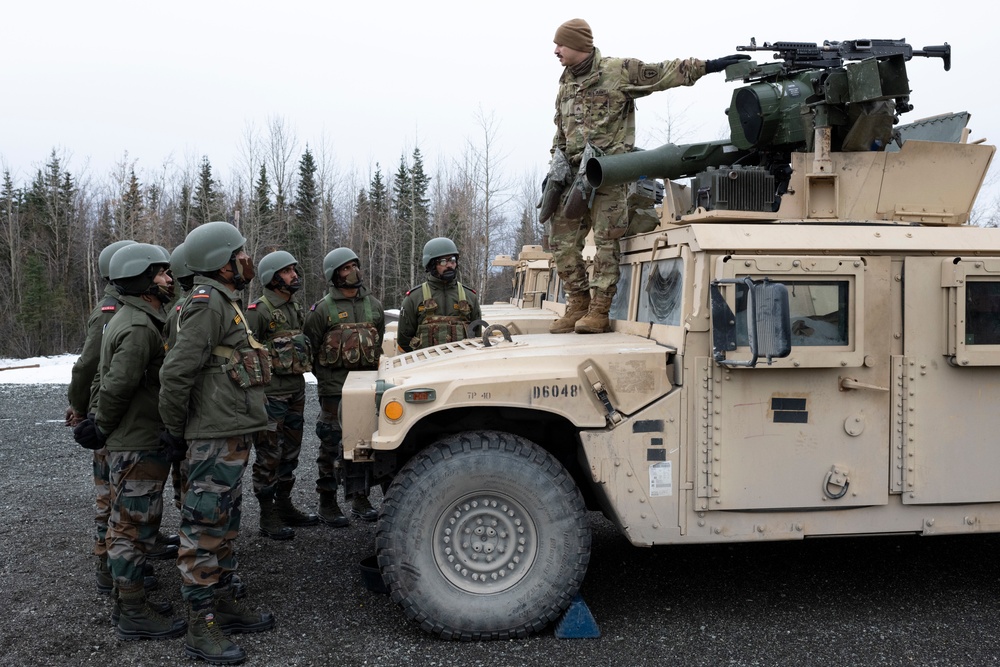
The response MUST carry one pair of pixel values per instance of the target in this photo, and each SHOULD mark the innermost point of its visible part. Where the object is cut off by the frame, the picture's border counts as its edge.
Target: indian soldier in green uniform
(276, 319)
(127, 425)
(438, 310)
(345, 329)
(595, 114)
(80, 397)
(212, 405)
(183, 277)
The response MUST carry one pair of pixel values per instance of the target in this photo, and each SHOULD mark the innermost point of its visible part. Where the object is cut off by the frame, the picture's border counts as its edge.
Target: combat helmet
(133, 268)
(104, 259)
(438, 247)
(273, 262)
(179, 268)
(335, 259)
(210, 246)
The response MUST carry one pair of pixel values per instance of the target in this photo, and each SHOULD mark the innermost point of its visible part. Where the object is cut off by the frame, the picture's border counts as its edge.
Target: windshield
(662, 289)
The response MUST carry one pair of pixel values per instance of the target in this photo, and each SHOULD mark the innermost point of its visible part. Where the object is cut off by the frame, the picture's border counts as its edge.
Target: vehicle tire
(526, 537)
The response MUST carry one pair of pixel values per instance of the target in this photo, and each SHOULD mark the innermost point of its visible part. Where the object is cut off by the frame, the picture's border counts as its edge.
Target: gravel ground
(868, 601)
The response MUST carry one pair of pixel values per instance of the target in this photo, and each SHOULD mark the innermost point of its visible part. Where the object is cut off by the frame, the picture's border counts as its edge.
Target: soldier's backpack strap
(461, 291)
(426, 291)
(225, 350)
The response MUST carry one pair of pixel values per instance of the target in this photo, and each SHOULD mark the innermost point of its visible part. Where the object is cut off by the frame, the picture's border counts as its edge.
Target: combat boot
(330, 512)
(105, 583)
(205, 640)
(164, 608)
(149, 580)
(270, 524)
(165, 547)
(362, 509)
(137, 619)
(290, 514)
(577, 305)
(233, 616)
(596, 320)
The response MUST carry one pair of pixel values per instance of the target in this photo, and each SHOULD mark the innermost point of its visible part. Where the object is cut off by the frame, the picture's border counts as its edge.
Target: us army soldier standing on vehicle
(128, 425)
(212, 405)
(345, 329)
(438, 310)
(595, 115)
(276, 318)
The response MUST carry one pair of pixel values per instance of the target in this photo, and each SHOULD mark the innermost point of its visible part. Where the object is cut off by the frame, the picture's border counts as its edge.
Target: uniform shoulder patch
(202, 293)
(252, 306)
(109, 308)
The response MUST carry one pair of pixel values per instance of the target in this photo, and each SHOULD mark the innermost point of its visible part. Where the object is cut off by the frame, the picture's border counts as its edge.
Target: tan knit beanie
(575, 34)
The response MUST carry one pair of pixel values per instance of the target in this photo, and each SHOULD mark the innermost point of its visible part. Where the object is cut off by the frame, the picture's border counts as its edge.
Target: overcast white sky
(168, 82)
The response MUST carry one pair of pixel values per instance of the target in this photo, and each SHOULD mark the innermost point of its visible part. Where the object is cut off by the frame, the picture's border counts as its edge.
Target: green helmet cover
(178, 264)
(337, 258)
(134, 260)
(438, 247)
(208, 247)
(273, 262)
(104, 259)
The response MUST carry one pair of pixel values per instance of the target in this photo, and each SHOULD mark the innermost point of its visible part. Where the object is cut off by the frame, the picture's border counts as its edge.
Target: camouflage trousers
(608, 218)
(210, 513)
(277, 454)
(137, 481)
(102, 484)
(331, 451)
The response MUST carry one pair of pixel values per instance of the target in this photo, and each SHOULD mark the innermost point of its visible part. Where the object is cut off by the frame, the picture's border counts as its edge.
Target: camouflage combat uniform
(435, 298)
(132, 352)
(598, 107)
(219, 418)
(80, 394)
(324, 322)
(278, 323)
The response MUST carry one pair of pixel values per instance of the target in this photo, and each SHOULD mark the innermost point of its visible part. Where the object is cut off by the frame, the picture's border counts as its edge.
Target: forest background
(53, 227)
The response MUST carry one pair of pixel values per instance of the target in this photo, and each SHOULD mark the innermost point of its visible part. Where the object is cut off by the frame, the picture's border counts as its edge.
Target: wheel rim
(485, 543)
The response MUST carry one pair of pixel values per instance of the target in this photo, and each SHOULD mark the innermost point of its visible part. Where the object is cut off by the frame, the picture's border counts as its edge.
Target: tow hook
(613, 416)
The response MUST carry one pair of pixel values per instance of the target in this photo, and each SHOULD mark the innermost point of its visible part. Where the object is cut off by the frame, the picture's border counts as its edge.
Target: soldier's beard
(448, 275)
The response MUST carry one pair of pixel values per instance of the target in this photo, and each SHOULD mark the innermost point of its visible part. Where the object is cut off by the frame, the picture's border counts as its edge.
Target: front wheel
(483, 535)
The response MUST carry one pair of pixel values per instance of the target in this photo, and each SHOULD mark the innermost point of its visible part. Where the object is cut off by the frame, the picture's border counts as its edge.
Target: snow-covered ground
(37, 370)
(51, 370)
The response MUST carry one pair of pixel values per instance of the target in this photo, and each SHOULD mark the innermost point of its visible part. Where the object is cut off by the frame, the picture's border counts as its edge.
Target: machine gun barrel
(800, 55)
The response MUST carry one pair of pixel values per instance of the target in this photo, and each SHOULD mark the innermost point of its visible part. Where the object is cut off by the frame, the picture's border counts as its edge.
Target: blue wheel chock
(577, 622)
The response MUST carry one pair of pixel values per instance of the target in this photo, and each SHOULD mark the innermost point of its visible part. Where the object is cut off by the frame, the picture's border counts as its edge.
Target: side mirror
(763, 311)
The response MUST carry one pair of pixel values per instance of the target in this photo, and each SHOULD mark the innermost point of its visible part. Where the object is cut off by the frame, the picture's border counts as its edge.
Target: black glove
(720, 64)
(174, 447)
(88, 435)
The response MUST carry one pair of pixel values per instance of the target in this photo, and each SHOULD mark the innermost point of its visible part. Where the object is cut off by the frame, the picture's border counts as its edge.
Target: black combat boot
(165, 547)
(362, 509)
(138, 619)
(164, 608)
(290, 514)
(270, 523)
(205, 640)
(233, 616)
(330, 512)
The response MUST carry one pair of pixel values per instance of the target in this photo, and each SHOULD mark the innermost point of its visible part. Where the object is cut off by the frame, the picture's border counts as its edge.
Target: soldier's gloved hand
(720, 64)
(88, 435)
(174, 447)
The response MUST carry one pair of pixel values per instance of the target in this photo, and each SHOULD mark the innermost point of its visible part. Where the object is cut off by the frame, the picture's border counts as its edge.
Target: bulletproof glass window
(661, 292)
(819, 313)
(982, 313)
(619, 303)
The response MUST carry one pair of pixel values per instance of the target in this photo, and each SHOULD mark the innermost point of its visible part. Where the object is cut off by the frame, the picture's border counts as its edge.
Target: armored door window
(819, 312)
(825, 301)
(973, 287)
(661, 291)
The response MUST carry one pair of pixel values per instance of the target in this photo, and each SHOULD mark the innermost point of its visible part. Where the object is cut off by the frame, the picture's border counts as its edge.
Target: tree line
(53, 226)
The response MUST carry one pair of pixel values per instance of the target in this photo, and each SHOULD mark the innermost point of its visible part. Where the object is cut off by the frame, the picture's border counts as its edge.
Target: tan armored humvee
(828, 367)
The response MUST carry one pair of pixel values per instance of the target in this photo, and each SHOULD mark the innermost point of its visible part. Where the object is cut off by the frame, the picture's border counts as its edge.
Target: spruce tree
(207, 202)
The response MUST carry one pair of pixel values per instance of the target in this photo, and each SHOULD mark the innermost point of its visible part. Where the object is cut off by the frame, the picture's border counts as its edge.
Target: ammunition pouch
(291, 353)
(352, 346)
(246, 366)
